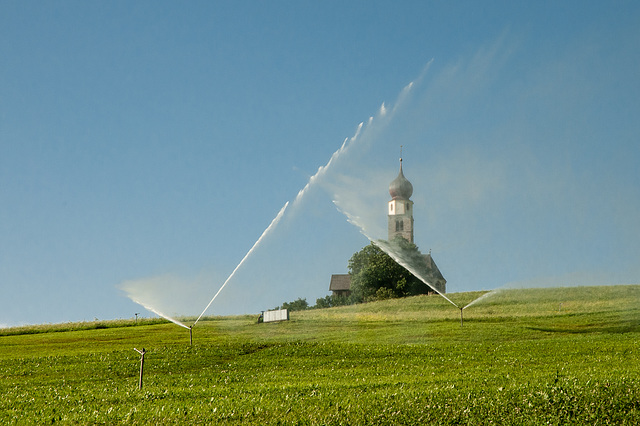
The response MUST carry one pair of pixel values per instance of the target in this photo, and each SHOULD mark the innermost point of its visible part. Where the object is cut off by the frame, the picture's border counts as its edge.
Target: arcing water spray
(272, 225)
(159, 313)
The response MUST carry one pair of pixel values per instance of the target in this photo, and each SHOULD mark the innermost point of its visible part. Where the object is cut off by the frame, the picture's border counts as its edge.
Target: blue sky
(153, 142)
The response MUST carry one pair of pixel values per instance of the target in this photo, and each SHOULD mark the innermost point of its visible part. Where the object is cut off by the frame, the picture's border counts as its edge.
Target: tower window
(399, 225)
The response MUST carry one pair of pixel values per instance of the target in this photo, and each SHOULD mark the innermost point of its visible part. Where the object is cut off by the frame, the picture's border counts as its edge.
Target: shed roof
(340, 282)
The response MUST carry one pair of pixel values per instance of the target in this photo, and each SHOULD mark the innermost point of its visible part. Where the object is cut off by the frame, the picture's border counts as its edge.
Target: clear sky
(148, 145)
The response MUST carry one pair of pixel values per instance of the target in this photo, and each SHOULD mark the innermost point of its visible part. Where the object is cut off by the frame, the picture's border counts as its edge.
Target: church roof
(431, 266)
(400, 187)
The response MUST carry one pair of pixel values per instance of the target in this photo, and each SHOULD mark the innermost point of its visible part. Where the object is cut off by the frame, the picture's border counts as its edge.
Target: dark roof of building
(400, 187)
(431, 264)
(340, 282)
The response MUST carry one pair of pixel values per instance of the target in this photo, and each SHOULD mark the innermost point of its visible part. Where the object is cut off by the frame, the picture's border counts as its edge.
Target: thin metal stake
(142, 352)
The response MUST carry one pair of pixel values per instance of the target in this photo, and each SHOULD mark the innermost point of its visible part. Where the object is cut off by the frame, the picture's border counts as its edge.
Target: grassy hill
(538, 356)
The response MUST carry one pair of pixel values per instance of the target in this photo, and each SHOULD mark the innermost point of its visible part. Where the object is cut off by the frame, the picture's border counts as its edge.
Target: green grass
(541, 356)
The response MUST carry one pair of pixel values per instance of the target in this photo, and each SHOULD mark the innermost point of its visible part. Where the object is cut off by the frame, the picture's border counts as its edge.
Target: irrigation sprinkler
(142, 352)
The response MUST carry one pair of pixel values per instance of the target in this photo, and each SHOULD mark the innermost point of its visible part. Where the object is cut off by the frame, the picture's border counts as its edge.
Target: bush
(332, 300)
(299, 304)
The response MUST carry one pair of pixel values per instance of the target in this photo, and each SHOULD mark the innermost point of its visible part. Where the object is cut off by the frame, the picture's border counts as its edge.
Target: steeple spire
(400, 187)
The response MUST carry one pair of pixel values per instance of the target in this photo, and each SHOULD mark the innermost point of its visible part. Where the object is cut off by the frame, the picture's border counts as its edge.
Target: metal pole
(141, 368)
(461, 321)
(191, 336)
(142, 352)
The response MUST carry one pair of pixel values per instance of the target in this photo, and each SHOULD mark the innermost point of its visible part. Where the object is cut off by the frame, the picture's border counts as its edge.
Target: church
(400, 223)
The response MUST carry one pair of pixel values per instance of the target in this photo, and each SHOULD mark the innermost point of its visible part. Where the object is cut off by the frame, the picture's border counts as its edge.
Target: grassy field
(541, 356)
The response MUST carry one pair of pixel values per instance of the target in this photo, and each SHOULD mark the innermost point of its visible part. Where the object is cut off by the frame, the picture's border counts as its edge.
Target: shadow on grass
(79, 326)
(608, 328)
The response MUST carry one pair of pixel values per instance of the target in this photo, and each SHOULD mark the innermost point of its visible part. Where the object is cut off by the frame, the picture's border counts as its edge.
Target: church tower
(400, 212)
(400, 216)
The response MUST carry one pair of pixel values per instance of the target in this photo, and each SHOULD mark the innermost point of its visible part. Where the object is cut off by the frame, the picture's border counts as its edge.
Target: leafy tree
(332, 300)
(376, 276)
(299, 304)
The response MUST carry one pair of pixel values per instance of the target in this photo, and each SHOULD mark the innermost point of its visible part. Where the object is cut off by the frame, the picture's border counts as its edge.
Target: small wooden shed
(340, 285)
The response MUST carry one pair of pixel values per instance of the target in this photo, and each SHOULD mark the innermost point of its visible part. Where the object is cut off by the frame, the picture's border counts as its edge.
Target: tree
(332, 300)
(299, 304)
(376, 276)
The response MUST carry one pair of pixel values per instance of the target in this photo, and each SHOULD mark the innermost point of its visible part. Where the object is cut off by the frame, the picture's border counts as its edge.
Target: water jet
(272, 225)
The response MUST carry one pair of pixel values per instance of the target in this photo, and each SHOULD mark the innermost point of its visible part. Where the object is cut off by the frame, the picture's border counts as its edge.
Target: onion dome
(400, 187)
